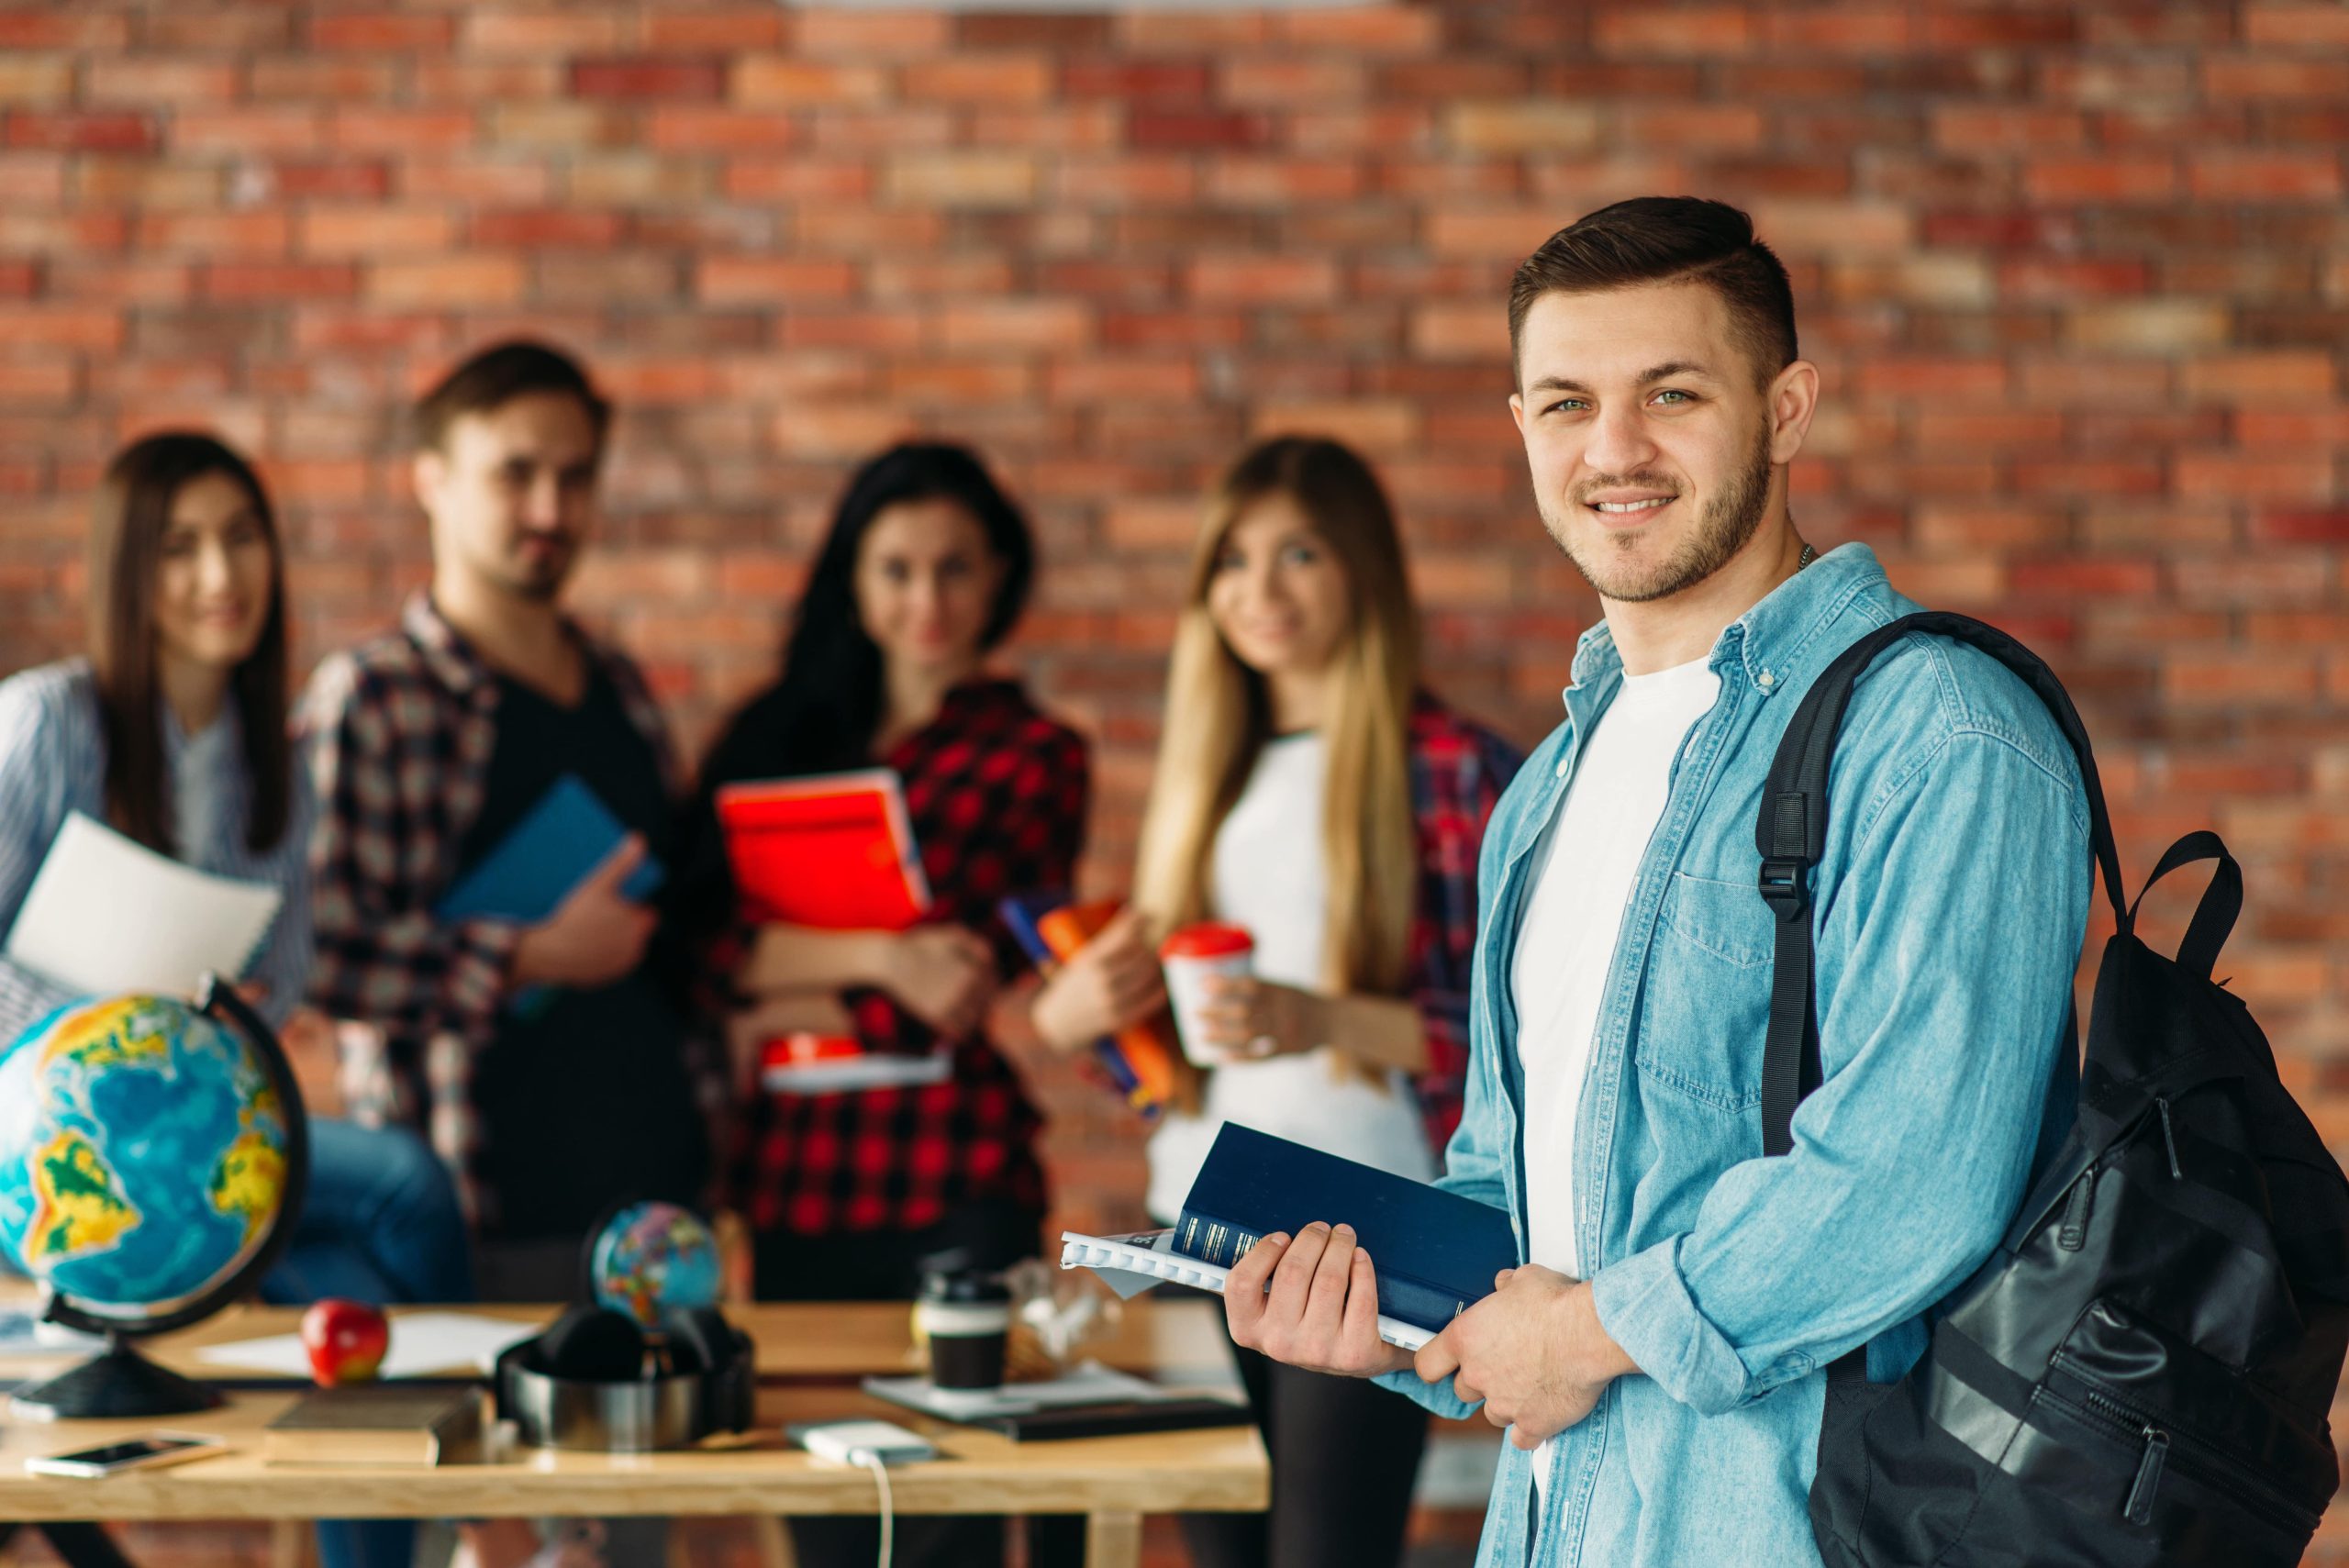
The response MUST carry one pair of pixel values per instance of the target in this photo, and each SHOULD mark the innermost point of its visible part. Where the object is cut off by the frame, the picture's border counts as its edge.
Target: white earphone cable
(871, 1461)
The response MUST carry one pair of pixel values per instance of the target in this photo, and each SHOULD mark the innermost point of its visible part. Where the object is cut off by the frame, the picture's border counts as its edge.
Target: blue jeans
(380, 1224)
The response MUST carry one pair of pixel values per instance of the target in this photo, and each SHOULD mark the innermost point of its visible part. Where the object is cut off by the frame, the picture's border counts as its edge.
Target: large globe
(143, 1157)
(651, 1259)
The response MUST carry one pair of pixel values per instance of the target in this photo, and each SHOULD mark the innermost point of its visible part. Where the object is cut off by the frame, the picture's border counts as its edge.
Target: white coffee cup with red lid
(1207, 949)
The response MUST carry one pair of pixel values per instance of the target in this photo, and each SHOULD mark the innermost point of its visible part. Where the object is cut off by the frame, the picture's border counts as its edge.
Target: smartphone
(132, 1454)
(842, 1441)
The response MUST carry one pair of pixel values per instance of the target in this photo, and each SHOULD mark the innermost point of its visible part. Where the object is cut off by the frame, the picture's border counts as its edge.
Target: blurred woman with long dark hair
(923, 575)
(172, 729)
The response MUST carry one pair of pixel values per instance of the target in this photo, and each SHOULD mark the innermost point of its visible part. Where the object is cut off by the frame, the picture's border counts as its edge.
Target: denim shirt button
(1765, 680)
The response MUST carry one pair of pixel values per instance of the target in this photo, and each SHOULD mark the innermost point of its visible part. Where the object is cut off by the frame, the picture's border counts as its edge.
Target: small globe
(652, 1259)
(144, 1158)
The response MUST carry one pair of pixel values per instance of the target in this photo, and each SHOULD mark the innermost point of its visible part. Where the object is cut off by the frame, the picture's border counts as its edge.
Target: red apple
(346, 1341)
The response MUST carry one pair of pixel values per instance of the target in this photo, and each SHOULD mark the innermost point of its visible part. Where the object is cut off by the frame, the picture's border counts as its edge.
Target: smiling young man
(1659, 1356)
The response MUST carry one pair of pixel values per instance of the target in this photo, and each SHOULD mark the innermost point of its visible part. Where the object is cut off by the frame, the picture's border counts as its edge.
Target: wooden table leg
(1113, 1540)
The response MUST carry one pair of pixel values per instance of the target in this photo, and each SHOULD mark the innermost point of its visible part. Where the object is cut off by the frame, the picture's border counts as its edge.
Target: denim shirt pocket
(1707, 1010)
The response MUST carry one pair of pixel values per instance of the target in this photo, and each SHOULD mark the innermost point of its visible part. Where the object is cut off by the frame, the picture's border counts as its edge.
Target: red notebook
(835, 851)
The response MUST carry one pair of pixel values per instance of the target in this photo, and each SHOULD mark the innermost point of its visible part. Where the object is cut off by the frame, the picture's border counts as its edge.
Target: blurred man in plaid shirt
(544, 1065)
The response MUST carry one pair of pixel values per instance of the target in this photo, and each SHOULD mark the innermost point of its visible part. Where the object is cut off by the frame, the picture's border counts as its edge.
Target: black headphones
(599, 1344)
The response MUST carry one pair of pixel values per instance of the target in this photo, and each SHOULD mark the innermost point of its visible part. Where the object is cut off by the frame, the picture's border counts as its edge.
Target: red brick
(1972, 128)
(18, 280)
(691, 128)
(35, 79)
(2295, 25)
(1721, 127)
(277, 280)
(2270, 77)
(961, 179)
(1373, 426)
(1046, 325)
(723, 29)
(786, 82)
(1096, 380)
(1261, 280)
(2267, 476)
(553, 32)
(1842, 29)
(63, 28)
(83, 132)
(371, 232)
(2305, 428)
(1137, 81)
(2156, 327)
(138, 82)
(1647, 31)
(466, 283)
(2257, 377)
(1531, 125)
(504, 181)
(1163, 180)
(125, 283)
(1283, 83)
(2314, 527)
(38, 382)
(2267, 176)
(627, 78)
(1364, 29)
(838, 430)
(210, 235)
(61, 327)
(862, 34)
(2054, 281)
(751, 280)
(1197, 128)
(1282, 182)
(382, 32)
(1973, 28)
(529, 229)
(979, 79)
(928, 379)
(2102, 179)
(403, 132)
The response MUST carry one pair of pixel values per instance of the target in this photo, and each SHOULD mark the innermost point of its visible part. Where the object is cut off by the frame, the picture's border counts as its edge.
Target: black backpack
(2140, 1372)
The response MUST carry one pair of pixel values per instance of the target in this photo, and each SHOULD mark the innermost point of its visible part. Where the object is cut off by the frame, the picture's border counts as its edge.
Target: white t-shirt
(1268, 873)
(1590, 854)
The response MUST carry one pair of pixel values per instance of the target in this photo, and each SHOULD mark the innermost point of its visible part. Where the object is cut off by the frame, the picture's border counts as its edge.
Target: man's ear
(1793, 399)
(1516, 410)
(428, 470)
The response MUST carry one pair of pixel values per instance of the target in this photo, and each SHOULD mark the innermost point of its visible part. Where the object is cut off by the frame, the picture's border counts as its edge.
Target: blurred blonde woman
(1310, 790)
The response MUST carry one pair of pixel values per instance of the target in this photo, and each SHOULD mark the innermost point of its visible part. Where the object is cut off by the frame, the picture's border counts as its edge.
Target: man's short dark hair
(1658, 240)
(496, 377)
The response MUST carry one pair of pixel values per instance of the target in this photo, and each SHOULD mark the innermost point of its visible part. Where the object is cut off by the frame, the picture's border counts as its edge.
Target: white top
(1566, 938)
(1268, 873)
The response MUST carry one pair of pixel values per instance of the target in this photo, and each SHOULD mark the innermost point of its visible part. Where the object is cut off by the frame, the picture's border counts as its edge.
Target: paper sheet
(422, 1342)
(107, 915)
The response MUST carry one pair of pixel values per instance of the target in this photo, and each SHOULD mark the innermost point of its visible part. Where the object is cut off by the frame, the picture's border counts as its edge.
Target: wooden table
(808, 1358)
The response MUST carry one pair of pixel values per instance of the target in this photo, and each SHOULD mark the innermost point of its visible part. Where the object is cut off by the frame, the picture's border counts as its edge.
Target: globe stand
(117, 1382)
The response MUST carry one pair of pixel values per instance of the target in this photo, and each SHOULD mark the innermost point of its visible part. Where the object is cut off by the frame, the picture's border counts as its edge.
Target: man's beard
(1728, 522)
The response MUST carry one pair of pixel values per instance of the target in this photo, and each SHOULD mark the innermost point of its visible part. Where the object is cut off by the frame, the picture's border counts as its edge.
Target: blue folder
(555, 847)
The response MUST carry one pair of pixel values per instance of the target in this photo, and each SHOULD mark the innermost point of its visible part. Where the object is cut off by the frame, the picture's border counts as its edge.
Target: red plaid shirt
(1458, 771)
(400, 732)
(998, 795)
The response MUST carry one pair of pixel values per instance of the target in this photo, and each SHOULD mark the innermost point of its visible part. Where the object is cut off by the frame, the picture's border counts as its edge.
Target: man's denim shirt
(1948, 912)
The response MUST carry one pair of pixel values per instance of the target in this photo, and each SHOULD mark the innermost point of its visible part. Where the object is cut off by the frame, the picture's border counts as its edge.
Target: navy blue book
(1434, 1251)
(553, 849)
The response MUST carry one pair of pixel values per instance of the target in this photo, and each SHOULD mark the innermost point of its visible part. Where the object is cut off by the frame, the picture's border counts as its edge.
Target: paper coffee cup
(1192, 957)
(965, 1318)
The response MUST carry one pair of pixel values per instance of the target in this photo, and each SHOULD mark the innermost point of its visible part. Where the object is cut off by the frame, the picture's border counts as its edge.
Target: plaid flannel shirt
(1458, 771)
(997, 794)
(400, 731)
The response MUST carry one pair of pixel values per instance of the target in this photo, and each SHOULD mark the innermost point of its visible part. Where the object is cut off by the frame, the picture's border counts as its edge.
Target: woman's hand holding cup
(1248, 1019)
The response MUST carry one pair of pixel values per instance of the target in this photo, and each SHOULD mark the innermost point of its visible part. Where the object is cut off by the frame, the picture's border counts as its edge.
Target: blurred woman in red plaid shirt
(927, 567)
(1310, 790)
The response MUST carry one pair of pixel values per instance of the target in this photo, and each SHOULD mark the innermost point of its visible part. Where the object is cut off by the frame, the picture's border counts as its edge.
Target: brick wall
(2078, 276)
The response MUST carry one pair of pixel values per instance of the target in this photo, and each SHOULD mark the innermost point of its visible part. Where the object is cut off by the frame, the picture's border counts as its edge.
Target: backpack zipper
(2169, 1138)
(2196, 1456)
(2073, 1233)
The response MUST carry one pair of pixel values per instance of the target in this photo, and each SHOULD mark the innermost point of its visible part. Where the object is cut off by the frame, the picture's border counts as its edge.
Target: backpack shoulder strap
(1791, 833)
